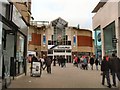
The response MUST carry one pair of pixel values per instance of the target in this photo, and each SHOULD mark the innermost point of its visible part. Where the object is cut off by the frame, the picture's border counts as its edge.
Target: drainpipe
(0, 55)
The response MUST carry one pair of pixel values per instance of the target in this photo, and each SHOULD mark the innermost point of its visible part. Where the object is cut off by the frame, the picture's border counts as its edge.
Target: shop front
(13, 44)
(6, 43)
(60, 50)
(21, 42)
(109, 34)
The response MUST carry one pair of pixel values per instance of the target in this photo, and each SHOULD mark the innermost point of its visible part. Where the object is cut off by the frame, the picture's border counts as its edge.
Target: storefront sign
(74, 40)
(60, 47)
(63, 47)
(17, 18)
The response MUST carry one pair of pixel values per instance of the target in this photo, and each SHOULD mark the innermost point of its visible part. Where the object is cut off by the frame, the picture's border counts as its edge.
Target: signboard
(17, 18)
(44, 39)
(63, 47)
(114, 40)
(60, 47)
(74, 40)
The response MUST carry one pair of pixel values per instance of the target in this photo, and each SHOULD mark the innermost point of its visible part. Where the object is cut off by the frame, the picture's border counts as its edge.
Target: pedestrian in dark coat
(105, 67)
(91, 62)
(96, 63)
(115, 68)
(48, 62)
(34, 59)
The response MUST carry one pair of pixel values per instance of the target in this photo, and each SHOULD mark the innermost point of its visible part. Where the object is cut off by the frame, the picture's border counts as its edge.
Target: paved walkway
(69, 77)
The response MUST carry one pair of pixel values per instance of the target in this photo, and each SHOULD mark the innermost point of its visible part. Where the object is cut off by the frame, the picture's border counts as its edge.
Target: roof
(80, 29)
(99, 5)
(59, 22)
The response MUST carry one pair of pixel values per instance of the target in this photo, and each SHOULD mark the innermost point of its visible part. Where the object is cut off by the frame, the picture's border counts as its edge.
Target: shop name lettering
(64, 47)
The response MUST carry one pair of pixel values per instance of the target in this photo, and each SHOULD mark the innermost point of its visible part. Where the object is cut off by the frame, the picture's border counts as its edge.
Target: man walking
(115, 68)
(48, 63)
(105, 69)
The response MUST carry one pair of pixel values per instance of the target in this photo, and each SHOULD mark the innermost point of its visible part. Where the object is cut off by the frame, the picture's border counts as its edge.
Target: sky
(73, 11)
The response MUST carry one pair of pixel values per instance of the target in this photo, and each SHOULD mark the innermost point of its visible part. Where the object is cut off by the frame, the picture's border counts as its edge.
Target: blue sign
(44, 39)
(74, 40)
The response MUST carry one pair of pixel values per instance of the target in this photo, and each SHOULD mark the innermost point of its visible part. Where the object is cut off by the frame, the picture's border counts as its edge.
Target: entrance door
(8, 52)
(69, 59)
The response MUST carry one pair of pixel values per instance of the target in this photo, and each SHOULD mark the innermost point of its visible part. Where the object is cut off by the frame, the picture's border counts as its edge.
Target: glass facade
(59, 36)
(20, 54)
(109, 33)
(98, 49)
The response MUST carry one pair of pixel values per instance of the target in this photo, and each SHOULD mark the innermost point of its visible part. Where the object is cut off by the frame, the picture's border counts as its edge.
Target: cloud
(73, 11)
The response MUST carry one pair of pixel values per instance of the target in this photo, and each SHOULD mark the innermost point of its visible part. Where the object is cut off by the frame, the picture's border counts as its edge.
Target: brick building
(56, 39)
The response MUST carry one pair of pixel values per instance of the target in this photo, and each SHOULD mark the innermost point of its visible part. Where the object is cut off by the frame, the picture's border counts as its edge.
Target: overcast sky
(73, 11)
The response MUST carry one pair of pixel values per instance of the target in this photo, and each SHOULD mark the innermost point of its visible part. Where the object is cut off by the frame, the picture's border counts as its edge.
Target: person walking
(48, 63)
(91, 62)
(34, 59)
(105, 67)
(115, 68)
(96, 63)
(54, 62)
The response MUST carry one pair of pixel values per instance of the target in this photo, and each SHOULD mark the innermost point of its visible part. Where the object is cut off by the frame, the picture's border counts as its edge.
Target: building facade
(14, 22)
(58, 39)
(107, 27)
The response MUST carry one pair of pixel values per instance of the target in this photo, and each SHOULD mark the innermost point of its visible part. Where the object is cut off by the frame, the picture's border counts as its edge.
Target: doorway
(8, 52)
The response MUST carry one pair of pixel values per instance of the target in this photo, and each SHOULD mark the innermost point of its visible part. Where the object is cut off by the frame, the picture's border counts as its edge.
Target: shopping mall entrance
(60, 50)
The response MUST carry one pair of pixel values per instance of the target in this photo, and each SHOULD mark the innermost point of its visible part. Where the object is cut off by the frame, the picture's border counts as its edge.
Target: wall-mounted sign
(74, 40)
(17, 18)
(63, 47)
(44, 39)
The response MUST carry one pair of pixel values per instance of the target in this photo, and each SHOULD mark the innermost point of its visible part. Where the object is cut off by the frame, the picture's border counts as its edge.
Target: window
(68, 50)
(109, 33)
(29, 37)
(50, 51)
(69, 43)
(49, 42)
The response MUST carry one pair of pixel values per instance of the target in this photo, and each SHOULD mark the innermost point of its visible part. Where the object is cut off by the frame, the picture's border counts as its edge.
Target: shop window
(69, 43)
(49, 42)
(50, 51)
(20, 54)
(29, 37)
(109, 33)
(68, 51)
